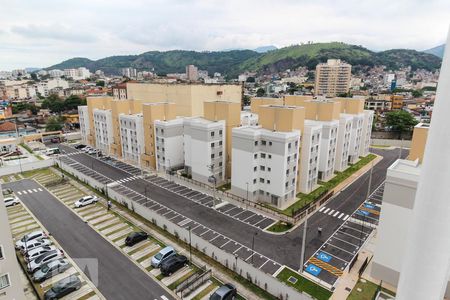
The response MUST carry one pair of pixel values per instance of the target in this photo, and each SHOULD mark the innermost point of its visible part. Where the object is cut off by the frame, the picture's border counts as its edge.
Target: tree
(417, 93)
(400, 121)
(19, 107)
(100, 83)
(54, 123)
(260, 92)
(246, 100)
(54, 103)
(72, 102)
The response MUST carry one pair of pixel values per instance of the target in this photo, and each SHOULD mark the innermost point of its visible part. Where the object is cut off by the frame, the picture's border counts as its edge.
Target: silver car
(33, 244)
(37, 263)
(39, 234)
(50, 269)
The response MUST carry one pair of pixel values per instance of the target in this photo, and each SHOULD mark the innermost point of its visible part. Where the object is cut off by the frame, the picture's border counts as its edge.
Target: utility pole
(370, 181)
(302, 256)
(213, 179)
(246, 203)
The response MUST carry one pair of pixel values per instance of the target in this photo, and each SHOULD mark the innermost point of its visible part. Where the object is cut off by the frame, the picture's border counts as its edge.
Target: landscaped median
(302, 284)
(367, 290)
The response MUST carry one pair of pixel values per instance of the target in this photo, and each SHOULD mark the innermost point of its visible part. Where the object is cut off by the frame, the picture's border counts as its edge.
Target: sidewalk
(217, 273)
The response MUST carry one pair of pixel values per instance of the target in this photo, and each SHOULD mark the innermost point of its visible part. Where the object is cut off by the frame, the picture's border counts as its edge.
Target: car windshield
(215, 297)
(158, 256)
(45, 269)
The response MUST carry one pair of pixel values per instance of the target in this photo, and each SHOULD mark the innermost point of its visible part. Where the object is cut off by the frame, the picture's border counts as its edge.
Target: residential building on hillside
(129, 72)
(132, 137)
(265, 165)
(11, 286)
(332, 78)
(120, 91)
(192, 73)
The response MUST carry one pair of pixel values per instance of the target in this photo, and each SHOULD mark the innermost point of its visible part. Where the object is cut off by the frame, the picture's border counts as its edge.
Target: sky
(40, 33)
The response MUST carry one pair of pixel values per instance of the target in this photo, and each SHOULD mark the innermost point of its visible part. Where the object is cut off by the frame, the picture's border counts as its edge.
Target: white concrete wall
(8, 170)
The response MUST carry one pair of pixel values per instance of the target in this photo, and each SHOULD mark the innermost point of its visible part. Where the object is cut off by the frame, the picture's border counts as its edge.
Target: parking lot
(23, 222)
(329, 262)
(115, 229)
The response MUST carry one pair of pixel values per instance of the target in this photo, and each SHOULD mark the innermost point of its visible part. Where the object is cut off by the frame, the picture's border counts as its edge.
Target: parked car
(32, 254)
(52, 151)
(173, 264)
(225, 292)
(86, 200)
(92, 151)
(162, 255)
(37, 263)
(6, 192)
(51, 269)
(11, 201)
(63, 287)
(135, 237)
(33, 244)
(55, 140)
(86, 149)
(80, 146)
(29, 237)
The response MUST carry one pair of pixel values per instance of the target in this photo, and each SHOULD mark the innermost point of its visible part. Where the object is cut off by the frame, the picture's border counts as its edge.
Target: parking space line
(332, 245)
(333, 256)
(351, 235)
(334, 237)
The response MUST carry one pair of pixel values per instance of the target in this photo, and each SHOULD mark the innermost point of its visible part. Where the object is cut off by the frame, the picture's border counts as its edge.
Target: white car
(36, 264)
(30, 237)
(87, 149)
(11, 201)
(33, 244)
(32, 254)
(86, 200)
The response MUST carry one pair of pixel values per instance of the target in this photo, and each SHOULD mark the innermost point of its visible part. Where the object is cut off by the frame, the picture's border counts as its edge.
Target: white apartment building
(204, 149)
(132, 137)
(328, 145)
(103, 129)
(192, 73)
(85, 128)
(264, 165)
(10, 283)
(56, 73)
(355, 137)
(77, 74)
(129, 72)
(169, 144)
(249, 119)
(364, 148)
(343, 142)
(309, 156)
(44, 87)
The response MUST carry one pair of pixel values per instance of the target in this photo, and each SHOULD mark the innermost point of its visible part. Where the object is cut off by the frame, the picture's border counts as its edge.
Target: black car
(80, 146)
(63, 287)
(173, 264)
(135, 237)
(225, 292)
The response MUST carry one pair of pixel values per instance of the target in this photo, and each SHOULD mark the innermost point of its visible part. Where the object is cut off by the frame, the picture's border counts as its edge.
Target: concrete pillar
(425, 269)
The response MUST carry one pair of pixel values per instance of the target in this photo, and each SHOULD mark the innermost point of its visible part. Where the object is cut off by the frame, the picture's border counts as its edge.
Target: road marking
(35, 190)
(346, 217)
(40, 190)
(336, 214)
(25, 192)
(326, 210)
(19, 193)
(164, 297)
(340, 216)
(30, 191)
(323, 207)
(331, 212)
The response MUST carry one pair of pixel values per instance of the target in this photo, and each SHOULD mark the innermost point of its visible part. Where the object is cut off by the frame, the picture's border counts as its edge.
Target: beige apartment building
(256, 102)
(10, 283)
(189, 98)
(332, 78)
(419, 140)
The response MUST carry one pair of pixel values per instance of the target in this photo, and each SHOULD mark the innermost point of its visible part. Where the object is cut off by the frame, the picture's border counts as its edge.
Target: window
(255, 156)
(254, 181)
(212, 133)
(268, 181)
(4, 281)
(220, 143)
(263, 155)
(270, 143)
(220, 153)
(269, 169)
(261, 180)
(263, 143)
(220, 131)
(262, 168)
(289, 146)
(2, 256)
(255, 169)
(220, 164)
(212, 145)
(256, 143)
(270, 156)
(212, 155)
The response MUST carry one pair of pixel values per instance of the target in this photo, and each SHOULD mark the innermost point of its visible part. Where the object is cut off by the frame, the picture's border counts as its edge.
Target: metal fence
(193, 282)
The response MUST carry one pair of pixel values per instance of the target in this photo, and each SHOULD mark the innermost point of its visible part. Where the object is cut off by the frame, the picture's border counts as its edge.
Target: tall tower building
(332, 78)
(191, 73)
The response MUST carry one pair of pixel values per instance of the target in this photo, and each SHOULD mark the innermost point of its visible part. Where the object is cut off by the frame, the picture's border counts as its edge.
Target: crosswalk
(334, 213)
(120, 181)
(30, 191)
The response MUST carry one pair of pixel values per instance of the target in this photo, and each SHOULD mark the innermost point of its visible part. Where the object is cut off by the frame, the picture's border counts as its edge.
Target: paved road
(284, 249)
(119, 278)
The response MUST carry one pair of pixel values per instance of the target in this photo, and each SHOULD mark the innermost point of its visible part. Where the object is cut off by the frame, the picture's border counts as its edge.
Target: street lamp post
(302, 255)
(170, 170)
(246, 203)
(213, 179)
(253, 245)
(190, 246)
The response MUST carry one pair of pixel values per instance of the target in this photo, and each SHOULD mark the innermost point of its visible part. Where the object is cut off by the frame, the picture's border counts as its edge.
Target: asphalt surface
(284, 249)
(119, 278)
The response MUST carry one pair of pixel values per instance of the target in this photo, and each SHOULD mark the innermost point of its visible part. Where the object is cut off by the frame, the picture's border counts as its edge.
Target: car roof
(9, 198)
(166, 250)
(223, 290)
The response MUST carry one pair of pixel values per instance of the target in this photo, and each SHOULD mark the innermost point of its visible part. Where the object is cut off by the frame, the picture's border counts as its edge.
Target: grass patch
(368, 291)
(180, 280)
(17, 176)
(37, 172)
(280, 226)
(304, 285)
(160, 277)
(225, 187)
(25, 146)
(39, 157)
(5, 178)
(206, 291)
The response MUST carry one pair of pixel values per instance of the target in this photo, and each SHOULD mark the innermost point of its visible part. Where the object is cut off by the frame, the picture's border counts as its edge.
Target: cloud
(47, 32)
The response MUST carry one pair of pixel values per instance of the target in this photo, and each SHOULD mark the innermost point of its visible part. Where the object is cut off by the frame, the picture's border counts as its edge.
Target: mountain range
(438, 51)
(271, 59)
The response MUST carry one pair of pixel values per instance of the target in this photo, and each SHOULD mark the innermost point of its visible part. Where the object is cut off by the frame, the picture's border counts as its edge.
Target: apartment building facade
(343, 142)
(204, 150)
(309, 156)
(83, 116)
(265, 165)
(103, 129)
(132, 137)
(169, 141)
(10, 283)
(366, 134)
(332, 78)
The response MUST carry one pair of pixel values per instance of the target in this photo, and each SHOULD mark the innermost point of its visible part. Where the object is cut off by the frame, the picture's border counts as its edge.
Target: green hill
(233, 62)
